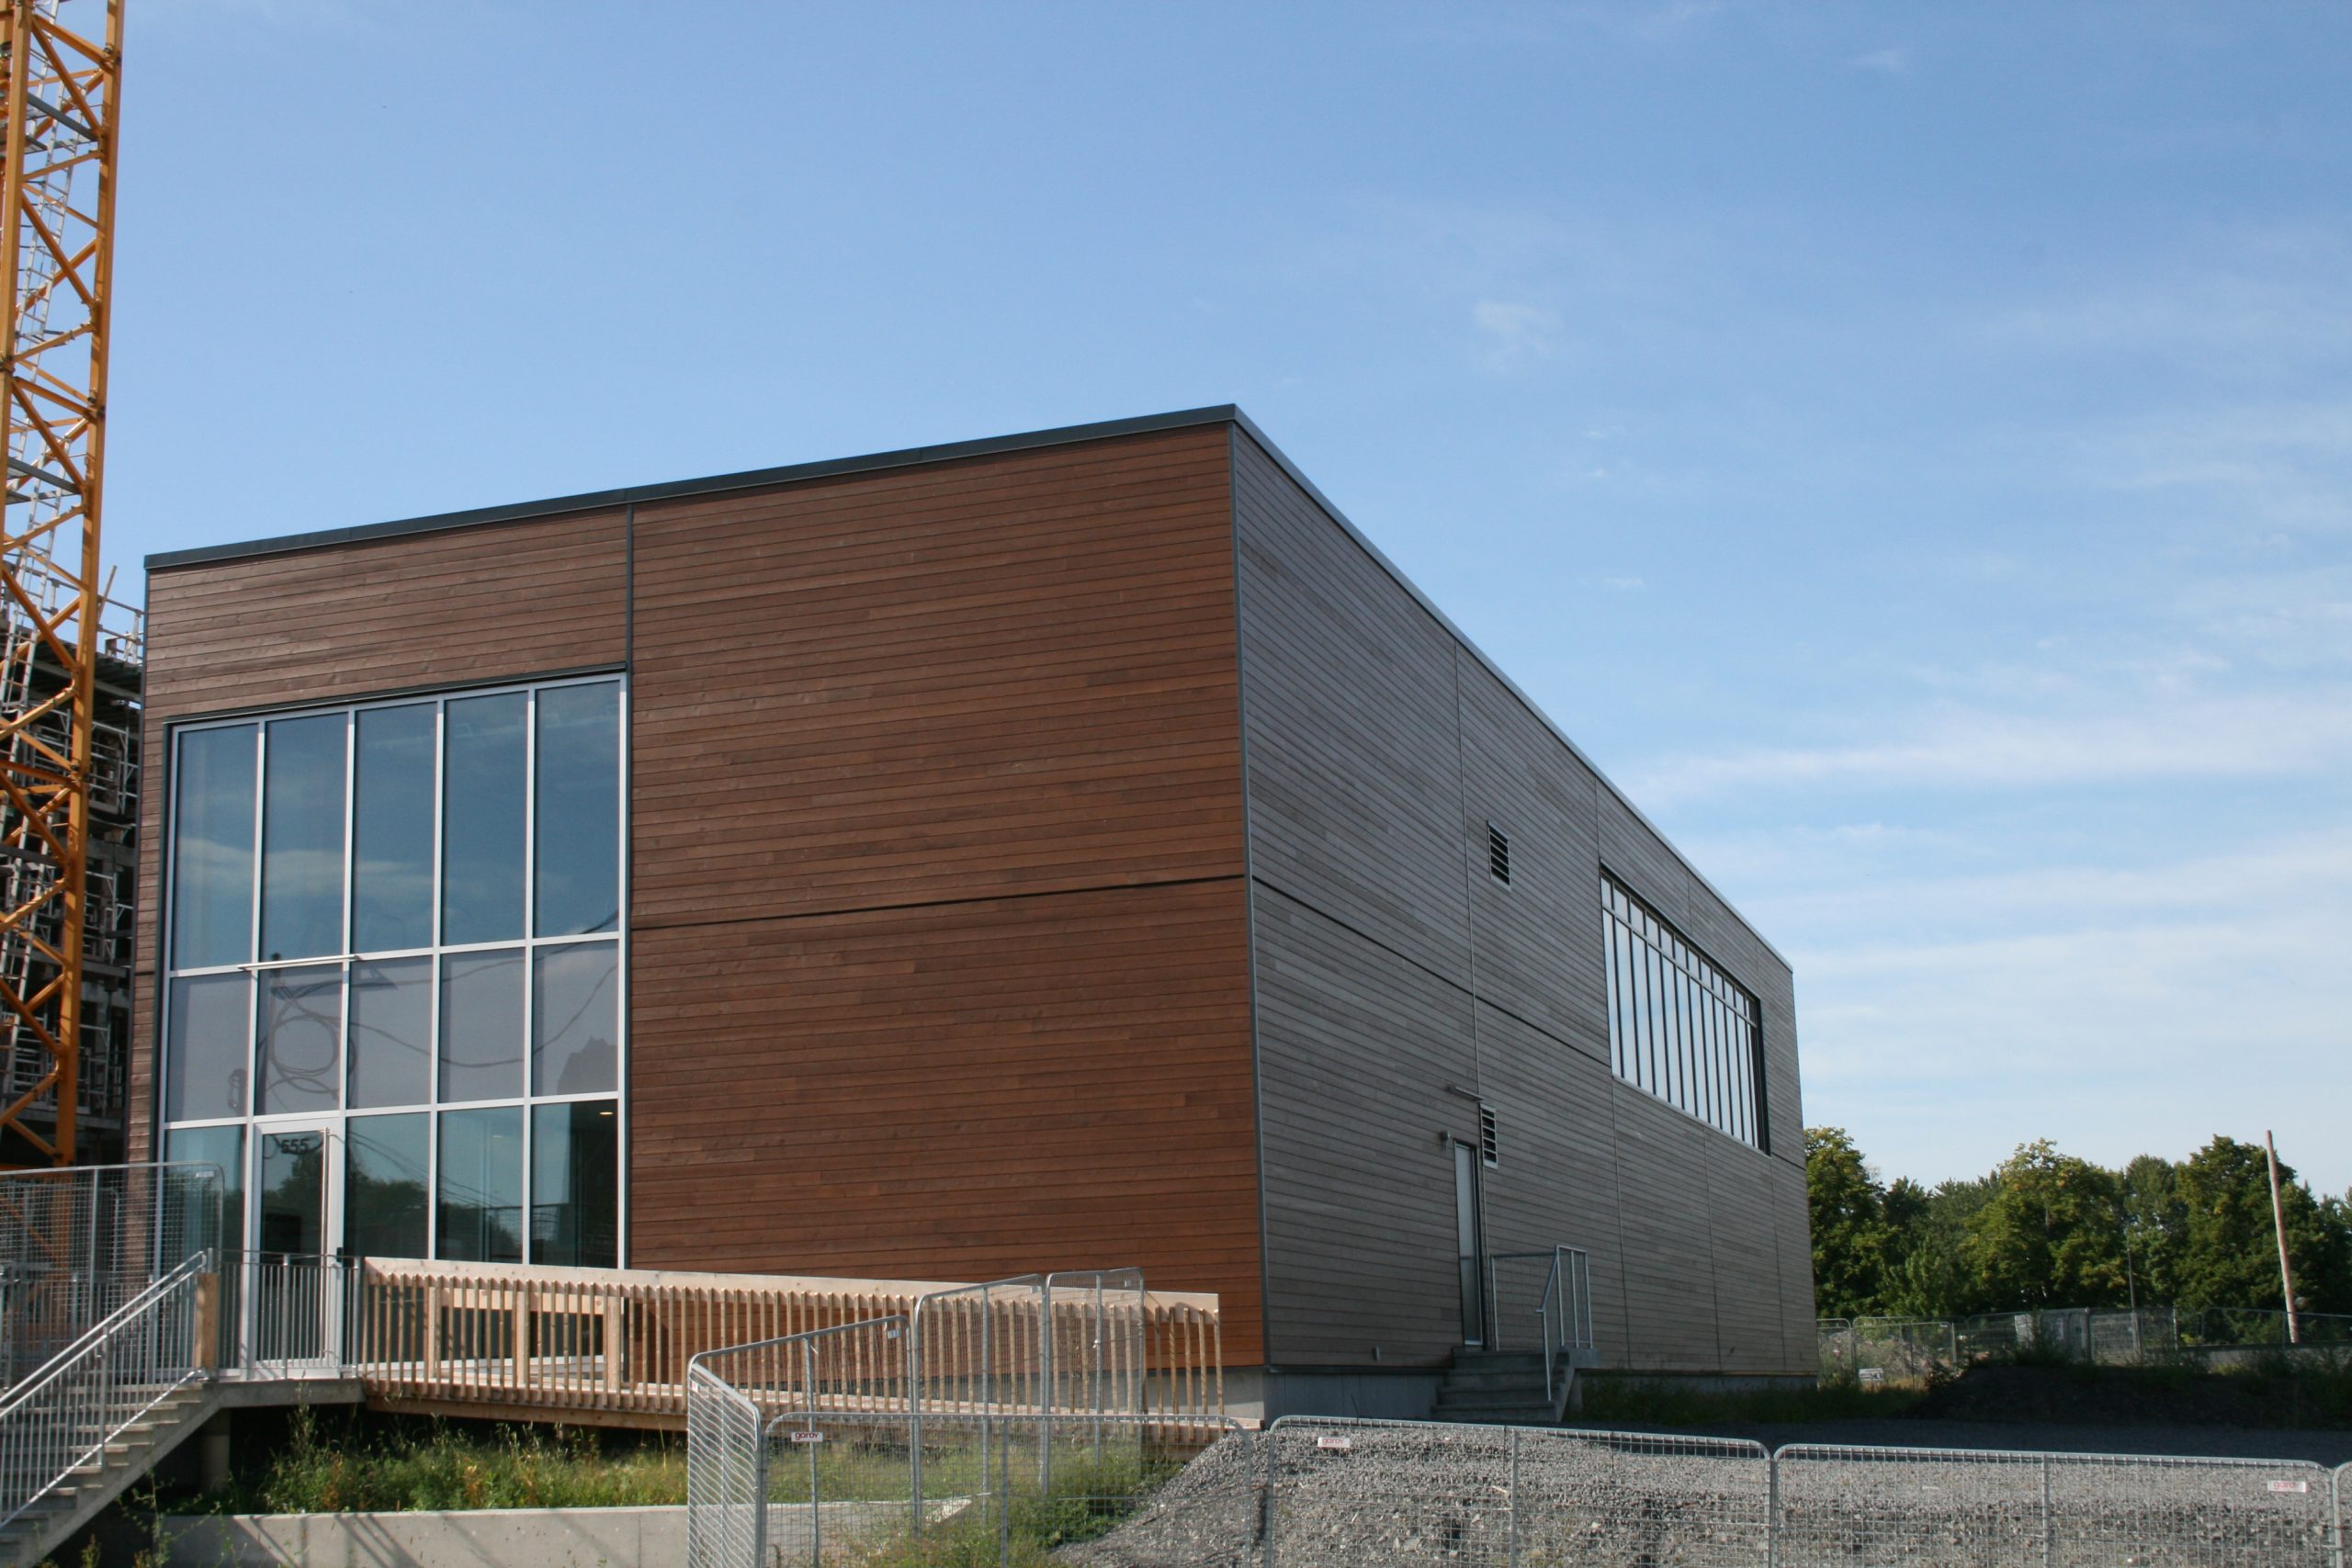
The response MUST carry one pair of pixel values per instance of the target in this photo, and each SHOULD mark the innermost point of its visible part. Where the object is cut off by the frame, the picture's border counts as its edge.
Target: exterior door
(1469, 1227)
(291, 1301)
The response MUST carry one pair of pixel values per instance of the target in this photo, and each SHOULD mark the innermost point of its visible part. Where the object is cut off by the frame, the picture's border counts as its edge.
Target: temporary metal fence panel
(1005, 1488)
(77, 1243)
(1628, 1498)
(726, 1475)
(1901, 1348)
(62, 1418)
(1347, 1492)
(1838, 1507)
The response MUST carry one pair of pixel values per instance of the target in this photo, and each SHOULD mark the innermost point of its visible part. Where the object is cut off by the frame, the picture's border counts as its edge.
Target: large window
(1679, 1027)
(399, 925)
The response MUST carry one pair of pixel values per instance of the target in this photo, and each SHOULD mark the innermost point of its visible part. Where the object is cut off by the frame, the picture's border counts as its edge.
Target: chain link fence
(1342, 1493)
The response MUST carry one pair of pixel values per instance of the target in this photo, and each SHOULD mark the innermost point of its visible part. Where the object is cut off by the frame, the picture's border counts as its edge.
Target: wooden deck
(610, 1347)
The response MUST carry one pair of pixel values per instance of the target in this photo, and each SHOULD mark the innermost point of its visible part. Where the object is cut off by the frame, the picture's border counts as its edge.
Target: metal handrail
(56, 1420)
(1565, 1306)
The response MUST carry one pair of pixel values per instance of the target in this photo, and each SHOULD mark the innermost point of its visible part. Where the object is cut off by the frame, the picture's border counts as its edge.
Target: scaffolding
(68, 670)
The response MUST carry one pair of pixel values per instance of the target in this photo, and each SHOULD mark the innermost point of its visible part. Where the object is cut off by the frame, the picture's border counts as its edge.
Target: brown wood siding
(956, 1091)
(1011, 674)
(467, 606)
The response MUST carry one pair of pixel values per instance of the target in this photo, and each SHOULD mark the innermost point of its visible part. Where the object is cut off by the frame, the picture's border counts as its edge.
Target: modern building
(1072, 849)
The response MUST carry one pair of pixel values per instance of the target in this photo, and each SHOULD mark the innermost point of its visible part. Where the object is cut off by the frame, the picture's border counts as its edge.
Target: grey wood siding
(1390, 967)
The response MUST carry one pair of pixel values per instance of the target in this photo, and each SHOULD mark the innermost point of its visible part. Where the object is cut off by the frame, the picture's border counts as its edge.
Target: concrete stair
(1502, 1388)
(131, 1453)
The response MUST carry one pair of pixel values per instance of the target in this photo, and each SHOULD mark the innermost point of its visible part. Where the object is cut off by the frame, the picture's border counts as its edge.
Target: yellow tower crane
(62, 64)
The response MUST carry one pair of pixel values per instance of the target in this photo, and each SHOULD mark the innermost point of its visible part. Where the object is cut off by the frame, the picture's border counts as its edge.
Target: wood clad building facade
(1067, 850)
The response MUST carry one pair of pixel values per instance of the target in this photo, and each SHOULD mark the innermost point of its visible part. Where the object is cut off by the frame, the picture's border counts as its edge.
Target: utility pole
(2279, 1219)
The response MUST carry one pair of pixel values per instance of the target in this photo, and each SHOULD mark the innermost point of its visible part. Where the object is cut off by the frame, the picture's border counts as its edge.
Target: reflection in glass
(576, 866)
(300, 1020)
(391, 831)
(224, 1147)
(481, 1185)
(482, 825)
(204, 1047)
(575, 1184)
(384, 1185)
(1679, 1027)
(575, 1019)
(292, 1210)
(391, 1033)
(212, 848)
(301, 838)
(482, 1025)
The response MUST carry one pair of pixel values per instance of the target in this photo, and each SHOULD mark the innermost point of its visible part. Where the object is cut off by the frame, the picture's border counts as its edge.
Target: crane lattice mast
(62, 61)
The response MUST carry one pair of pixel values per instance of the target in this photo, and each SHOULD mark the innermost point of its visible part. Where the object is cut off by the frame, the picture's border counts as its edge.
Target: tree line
(2047, 1229)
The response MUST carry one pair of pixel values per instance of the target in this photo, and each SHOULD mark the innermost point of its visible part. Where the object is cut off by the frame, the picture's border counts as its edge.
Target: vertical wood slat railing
(613, 1344)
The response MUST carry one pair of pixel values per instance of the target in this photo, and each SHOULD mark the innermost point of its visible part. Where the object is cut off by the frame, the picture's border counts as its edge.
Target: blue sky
(1909, 446)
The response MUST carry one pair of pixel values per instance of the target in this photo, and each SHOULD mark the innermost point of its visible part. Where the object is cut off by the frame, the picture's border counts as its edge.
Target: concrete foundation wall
(487, 1537)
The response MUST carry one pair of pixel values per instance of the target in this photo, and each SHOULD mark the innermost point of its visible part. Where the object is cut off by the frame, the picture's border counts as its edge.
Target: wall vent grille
(1498, 854)
(1490, 1141)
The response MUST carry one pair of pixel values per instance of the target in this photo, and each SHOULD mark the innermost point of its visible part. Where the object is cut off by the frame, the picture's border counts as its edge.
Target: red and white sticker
(1337, 1445)
(807, 1436)
(2291, 1486)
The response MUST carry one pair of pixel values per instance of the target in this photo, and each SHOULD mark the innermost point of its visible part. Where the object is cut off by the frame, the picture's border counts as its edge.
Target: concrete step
(1510, 1378)
(1488, 1360)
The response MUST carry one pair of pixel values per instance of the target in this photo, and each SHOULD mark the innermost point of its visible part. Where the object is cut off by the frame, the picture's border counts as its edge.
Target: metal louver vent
(1490, 1147)
(1498, 854)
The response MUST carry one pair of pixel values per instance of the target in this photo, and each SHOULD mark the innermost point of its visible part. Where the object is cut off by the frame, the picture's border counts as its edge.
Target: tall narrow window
(576, 866)
(212, 849)
(1679, 1026)
(301, 838)
(391, 830)
(483, 810)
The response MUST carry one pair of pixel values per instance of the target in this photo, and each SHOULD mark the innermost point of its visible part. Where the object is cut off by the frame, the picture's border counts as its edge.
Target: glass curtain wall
(1679, 1027)
(402, 921)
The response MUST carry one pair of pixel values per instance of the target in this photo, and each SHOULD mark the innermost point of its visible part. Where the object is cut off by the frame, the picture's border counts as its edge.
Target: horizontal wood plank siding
(1011, 674)
(1356, 1049)
(956, 1092)
(1392, 965)
(464, 607)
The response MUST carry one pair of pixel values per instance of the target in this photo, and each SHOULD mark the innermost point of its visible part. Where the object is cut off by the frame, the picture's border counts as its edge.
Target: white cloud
(2197, 738)
(1516, 332)
(1893, 61)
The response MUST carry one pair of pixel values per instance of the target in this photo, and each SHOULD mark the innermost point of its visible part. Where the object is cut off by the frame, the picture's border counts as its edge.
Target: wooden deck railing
(610, 1347)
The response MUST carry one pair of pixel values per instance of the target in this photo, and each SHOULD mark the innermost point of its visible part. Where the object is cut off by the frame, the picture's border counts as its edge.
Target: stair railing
(59, 1420)
(1566, 1309)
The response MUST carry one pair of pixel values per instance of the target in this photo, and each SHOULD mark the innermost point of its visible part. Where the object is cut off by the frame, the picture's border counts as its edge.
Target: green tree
(2229, 1246)
(2051, 1233)
(2155, 1223)
(1850, 1232)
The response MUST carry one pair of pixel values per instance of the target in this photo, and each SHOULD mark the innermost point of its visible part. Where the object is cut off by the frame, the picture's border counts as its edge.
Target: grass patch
(1086, 1497)
(514, 1466)
(1673, 1402)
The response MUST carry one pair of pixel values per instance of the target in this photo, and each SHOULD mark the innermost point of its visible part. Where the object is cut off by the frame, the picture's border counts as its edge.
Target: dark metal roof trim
(911, 456)
(752, 478)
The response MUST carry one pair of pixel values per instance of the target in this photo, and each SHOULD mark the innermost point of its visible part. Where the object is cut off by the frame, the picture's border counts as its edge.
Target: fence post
(1513, 1495)
(914, 1414)
(1772, 1509)
(816, 1513)
(1266, 1494)
(2049, 1524)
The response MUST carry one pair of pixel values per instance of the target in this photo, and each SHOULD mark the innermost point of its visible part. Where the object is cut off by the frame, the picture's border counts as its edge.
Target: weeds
(521, 1467)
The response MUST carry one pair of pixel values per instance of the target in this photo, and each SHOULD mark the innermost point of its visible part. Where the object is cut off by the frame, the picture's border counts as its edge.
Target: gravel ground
(1404, 1494)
